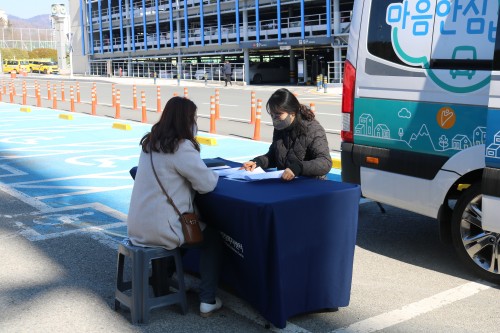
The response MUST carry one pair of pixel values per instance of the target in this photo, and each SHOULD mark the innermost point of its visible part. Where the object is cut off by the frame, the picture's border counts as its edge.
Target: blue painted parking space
(75, 172)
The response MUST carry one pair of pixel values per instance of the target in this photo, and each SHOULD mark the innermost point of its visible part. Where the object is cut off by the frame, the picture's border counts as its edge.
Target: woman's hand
(287, 175)
(249, 166)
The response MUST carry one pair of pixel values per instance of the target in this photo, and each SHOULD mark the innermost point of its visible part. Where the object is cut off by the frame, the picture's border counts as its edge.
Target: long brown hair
(176, 124)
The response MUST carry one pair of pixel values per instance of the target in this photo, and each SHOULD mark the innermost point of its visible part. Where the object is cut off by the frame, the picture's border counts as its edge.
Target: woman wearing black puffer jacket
(299, 146)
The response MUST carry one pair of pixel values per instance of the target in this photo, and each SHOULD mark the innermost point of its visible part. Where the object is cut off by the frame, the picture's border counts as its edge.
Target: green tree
(43, 53)
(11, 53)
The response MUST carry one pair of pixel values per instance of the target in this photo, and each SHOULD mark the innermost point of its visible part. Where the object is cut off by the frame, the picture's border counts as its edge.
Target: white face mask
(195, 130)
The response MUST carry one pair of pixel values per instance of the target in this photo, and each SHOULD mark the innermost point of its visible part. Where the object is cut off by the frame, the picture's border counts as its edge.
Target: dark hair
(175, 124)
(283, 99)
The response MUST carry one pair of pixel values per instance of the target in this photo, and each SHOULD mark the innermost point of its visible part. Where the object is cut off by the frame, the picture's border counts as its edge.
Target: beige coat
(152, 221)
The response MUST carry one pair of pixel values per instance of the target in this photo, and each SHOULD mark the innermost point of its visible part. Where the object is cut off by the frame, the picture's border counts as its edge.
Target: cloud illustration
(404, 113)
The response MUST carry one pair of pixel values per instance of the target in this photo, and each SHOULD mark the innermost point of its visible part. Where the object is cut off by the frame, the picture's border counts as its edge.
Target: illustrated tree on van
(400, 132)
(443, 141)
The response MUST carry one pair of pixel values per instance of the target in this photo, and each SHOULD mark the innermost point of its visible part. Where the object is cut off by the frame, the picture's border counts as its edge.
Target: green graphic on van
(446, 30)
(419, 127)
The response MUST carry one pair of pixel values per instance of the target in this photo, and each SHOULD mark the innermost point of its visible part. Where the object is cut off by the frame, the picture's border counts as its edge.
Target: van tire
(462, 231)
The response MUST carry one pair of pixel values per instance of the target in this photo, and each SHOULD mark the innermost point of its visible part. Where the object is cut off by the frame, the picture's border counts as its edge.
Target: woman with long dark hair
(152, 221)
(299, 146)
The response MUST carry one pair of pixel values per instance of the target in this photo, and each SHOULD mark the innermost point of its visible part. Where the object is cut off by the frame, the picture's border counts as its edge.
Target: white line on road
(234, 105)
(413, 310)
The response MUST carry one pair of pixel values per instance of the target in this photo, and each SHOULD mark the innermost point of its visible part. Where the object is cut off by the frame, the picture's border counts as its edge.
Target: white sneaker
(207, 309)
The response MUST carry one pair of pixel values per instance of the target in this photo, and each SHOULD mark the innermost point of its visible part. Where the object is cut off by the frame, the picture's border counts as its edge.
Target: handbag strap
(169, 199)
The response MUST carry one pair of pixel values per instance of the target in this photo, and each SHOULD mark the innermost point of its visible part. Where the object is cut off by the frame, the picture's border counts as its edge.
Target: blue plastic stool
(135, 294)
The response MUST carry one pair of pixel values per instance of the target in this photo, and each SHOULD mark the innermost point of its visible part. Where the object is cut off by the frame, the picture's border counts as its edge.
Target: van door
(491, 175)
(462, 47)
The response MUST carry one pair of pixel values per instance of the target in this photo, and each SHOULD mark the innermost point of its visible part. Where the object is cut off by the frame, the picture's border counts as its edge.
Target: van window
(496, 61)
(379, 33)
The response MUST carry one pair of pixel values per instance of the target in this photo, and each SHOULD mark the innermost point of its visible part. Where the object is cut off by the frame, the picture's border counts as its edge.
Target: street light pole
(69, 35)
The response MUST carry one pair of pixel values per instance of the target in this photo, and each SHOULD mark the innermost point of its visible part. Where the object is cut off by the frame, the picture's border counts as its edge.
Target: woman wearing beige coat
(152, 221)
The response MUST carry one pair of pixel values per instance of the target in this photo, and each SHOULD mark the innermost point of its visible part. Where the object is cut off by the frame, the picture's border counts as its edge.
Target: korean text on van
(421, 117)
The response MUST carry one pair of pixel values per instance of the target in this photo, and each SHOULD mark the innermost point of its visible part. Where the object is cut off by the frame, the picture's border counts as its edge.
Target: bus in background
(421, 117)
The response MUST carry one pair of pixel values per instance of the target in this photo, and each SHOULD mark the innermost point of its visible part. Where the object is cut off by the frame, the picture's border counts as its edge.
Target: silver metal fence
(27, 38)
(166, 70)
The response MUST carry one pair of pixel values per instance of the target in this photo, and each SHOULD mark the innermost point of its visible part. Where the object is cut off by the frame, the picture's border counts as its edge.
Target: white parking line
(413, 310)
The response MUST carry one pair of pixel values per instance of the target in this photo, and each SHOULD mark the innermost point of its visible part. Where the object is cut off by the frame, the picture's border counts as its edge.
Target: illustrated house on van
(461, 142)
(382, 131)
(493, 149)
(479, 136)
(360, 129)
(496, 138)
(366, 120)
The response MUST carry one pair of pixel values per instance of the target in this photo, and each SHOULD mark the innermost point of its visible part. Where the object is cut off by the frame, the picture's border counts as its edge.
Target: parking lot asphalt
(65, 189)
(64, 184)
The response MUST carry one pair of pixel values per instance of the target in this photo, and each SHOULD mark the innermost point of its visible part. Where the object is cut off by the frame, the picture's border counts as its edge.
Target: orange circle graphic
(446, 117)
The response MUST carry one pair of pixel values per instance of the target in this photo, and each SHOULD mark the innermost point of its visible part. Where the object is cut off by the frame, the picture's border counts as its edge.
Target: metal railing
(27, 38)
(167, 70)
(268, 30)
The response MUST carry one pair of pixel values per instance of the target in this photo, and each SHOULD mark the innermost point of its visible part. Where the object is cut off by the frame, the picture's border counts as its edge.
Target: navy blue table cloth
(289, 245)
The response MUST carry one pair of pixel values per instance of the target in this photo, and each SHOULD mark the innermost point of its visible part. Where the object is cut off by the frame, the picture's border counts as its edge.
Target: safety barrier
(134, 97)
(54, 97)
(63, 99)
(252, 107)
(24, 93)
(78, 100)
(38, 96)
(94, 104)
(72, 99)
(94, 89)
(212, 114)
(117, 104)
(143, 105)
(217, 104)
(113, 95)
(256, 133)
(158, 100)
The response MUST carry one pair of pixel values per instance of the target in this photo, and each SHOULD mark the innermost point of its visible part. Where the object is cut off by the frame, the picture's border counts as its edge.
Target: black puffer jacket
(302, 147)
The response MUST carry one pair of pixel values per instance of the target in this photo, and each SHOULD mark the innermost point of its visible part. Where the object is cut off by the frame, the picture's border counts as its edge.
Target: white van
(421, 116)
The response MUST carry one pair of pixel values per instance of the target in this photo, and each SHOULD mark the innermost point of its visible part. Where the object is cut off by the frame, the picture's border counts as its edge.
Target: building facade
(117, 37)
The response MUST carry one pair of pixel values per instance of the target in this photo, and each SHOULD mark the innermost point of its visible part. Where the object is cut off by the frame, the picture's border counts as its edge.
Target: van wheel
(479, 250)
(257, 79)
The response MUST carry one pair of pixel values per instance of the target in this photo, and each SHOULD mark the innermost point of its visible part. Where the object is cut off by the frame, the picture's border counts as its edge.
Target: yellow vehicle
(17, 65)
(47, 67)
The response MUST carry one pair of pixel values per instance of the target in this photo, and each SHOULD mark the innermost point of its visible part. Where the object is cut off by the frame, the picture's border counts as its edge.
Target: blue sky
(28, 8)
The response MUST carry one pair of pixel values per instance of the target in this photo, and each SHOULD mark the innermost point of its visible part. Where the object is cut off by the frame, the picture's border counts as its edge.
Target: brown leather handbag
(190, 221)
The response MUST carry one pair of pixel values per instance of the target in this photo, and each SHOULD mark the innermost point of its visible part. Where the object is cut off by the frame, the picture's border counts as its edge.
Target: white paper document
(215, 168)
(241, 174)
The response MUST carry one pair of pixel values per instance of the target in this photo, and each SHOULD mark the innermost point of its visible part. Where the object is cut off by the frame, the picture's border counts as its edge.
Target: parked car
(17, 65)
(268, 72)
(263, 72)
(202, 72)
(47, 67)
(217, 73)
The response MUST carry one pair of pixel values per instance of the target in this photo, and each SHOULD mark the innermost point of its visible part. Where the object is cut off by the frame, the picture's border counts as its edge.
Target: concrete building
(166, 37)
